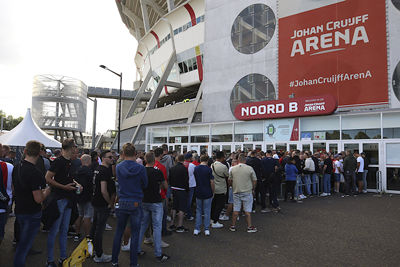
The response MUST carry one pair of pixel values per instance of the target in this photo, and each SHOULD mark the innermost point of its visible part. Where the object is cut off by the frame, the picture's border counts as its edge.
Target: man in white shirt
(192, 187)
(6, 179)
(338, 171)
(359, 172)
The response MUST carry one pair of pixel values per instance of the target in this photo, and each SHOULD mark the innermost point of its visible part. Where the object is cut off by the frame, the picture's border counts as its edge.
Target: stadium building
(268, 74)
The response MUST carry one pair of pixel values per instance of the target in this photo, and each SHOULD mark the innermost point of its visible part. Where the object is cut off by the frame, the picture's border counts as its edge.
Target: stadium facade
(270, 74)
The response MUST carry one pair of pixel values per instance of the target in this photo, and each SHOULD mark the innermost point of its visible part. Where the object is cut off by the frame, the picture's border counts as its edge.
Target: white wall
(224, 65)
(394, 49)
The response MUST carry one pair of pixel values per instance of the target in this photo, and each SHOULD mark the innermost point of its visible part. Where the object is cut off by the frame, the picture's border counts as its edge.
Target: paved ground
(333, 231)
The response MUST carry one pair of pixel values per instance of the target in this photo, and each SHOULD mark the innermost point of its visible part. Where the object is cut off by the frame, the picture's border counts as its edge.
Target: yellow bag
(79, 255)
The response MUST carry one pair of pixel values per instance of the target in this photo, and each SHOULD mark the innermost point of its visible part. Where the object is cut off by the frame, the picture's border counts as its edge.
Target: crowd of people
(72, 193)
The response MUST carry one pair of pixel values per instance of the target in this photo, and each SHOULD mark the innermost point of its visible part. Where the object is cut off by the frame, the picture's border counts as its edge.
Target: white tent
(25, 131)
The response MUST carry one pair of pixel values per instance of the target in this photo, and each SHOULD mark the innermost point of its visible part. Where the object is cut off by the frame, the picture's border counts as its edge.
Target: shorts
(230, 196)
(85, 210)
(337, 177)
(242, 198)
(180, 200)
(359, 176)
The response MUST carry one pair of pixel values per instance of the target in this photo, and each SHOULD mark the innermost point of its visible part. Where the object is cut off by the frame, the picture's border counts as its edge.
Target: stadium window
(198, 20)
(180, 65)
(176, 31)
(194, 64)
(185, 68)
(190, 64)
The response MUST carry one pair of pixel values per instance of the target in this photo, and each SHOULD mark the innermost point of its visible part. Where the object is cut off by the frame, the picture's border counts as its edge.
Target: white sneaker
(364, 191)
(324, 195)
(126, 247)
(224, 218)
(207, 232)
(303, 196)
(196, 232)
(148, 240)
(103, 258)
(164, 244)
(169, 218)
(329, 194)
(266, 210)
(108, 227)
(217, 225)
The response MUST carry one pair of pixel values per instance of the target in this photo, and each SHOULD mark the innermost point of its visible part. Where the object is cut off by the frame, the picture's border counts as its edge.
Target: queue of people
(78, 193)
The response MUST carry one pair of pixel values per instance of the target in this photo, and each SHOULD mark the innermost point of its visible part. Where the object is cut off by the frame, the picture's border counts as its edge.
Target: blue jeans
(299, 189)
(307, 180)
(60, 225)
(190, 198)
(3, 221)
(203, 206)
(327, 183)
(365, 174)
(155, 210)
(126, 210)
(315, 182)
(29, 225)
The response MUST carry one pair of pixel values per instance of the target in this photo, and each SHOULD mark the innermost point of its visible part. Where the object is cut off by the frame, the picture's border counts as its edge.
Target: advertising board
(339, 48)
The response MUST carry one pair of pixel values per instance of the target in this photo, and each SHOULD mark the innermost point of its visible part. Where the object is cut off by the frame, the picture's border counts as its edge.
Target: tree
(9, 122)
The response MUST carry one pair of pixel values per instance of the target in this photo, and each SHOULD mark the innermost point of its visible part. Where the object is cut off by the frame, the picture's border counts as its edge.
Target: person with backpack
(30, 191)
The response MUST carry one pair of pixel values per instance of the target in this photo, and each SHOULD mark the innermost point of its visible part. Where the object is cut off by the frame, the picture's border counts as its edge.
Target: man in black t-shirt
(327, 173)
(63, 188)
(152, 206)
(102, 201)
(29, 185)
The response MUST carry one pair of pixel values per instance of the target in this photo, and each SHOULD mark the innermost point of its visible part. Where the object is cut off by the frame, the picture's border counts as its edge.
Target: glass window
(190, 64)
(198, 19)
(200, 134)
(249, 131)
(391, 125)
(318, 147)
(280, 147)
(252, 88)
(158, 135)
(176, 31)
(247, 148)
(320, 128)
(393, 178)
(178, 134)
(371, 151)
(366, 126)
(392, 154)
(333, 148)
(253, 28)
(396, 3)
(352, 147)
(221, 132)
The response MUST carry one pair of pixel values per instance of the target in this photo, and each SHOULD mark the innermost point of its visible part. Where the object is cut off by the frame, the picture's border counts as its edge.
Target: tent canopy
(28, 130)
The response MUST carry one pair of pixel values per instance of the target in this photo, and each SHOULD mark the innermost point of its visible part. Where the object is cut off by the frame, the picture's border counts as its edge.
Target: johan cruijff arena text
(272, 74)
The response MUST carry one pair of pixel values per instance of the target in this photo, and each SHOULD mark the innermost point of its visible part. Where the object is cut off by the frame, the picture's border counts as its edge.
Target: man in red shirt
(158, 153)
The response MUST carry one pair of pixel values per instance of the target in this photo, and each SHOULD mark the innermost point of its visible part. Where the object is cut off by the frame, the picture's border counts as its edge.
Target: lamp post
(119, 101)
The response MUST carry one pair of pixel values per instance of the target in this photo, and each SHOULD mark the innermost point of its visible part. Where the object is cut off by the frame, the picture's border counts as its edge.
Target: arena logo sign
(286, 108)
(339, 33)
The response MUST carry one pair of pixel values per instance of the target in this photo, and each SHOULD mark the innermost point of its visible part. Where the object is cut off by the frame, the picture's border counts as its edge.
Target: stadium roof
(131, 13)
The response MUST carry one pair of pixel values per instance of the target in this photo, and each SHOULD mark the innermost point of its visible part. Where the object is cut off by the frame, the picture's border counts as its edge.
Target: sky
(63, 37)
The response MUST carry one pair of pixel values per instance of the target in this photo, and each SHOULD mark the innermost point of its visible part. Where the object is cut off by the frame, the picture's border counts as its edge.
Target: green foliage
(9, 121)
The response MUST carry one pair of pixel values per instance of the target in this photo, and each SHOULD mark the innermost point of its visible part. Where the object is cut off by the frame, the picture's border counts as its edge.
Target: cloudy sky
(64, 37)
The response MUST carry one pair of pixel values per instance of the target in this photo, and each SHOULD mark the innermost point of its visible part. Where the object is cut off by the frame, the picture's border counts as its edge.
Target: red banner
(286, 108)
(338, 49)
